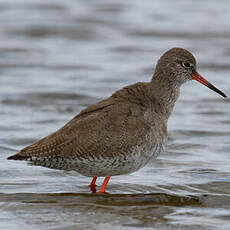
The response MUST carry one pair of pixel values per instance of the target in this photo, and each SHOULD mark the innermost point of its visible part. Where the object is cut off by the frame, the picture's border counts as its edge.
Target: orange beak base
(196, 76)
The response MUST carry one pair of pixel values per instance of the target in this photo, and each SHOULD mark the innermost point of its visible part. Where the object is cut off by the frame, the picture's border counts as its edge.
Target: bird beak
(196, 76)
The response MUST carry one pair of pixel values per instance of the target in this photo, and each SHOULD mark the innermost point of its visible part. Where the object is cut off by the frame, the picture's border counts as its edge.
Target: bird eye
(186, 64)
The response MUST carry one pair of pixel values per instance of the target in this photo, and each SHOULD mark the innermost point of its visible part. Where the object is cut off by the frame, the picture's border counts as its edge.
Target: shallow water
(58, 57)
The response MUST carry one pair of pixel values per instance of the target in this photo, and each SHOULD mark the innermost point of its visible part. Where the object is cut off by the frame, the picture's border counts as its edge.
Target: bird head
(178, 66)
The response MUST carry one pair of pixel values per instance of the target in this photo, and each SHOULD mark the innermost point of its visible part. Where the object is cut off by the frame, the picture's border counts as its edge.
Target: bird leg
(103, 186)
(92, 185)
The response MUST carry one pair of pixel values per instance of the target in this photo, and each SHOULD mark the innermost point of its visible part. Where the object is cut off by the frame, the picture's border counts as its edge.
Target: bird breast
(127, 162)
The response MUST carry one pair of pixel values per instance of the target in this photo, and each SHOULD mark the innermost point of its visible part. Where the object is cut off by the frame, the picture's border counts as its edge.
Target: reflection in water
(56, 58)
(129, 209)
(102, 199)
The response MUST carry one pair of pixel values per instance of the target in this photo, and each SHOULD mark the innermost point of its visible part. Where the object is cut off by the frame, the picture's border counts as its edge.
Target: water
(58, 57)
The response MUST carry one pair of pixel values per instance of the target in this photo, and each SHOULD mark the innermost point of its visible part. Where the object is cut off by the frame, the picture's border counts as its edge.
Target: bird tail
(17, 156)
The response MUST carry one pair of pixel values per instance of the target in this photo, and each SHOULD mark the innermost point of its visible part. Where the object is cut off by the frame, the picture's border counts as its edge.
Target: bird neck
(165, 92)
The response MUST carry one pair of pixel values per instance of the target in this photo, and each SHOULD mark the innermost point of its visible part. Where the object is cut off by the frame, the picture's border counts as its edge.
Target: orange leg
(92, 185)
(103, 186)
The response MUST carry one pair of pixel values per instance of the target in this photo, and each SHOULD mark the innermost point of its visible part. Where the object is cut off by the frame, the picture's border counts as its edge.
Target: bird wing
(109, 127)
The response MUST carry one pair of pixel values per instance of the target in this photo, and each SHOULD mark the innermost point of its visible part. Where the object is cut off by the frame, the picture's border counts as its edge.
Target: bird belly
(106, 165)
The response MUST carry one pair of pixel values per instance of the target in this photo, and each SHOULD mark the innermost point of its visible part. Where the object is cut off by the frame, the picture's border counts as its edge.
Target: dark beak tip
(196, 76)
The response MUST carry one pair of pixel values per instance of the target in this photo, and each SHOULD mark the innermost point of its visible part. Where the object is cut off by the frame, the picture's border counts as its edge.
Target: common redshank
(122, 133)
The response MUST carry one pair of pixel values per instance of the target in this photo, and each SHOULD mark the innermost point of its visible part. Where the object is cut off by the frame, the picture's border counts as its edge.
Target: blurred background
(57, 57)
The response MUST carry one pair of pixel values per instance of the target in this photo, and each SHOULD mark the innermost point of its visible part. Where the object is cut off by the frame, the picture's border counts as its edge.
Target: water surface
(58, 57)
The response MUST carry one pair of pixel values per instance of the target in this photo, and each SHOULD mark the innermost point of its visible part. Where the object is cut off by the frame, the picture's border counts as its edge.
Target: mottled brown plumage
(121, 133)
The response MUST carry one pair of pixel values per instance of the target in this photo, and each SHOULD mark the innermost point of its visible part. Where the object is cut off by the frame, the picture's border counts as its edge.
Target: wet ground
(58, 57)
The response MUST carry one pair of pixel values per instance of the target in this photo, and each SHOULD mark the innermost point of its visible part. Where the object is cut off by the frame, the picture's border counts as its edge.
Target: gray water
(57, 57)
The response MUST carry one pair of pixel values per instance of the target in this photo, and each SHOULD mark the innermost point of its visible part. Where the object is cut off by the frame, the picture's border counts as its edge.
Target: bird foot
(92, 188)
(92, 185)
(100, 191)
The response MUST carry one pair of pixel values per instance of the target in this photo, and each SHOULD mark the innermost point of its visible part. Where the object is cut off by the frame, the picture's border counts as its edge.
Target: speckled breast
(123, 163)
